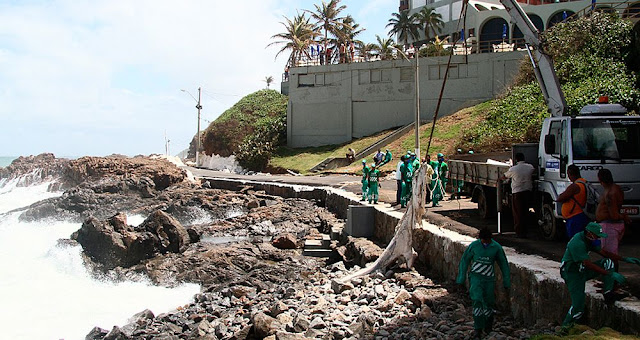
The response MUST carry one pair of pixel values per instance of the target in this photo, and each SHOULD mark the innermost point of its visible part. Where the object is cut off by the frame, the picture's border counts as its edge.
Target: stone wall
(537, 292)
(331, 104)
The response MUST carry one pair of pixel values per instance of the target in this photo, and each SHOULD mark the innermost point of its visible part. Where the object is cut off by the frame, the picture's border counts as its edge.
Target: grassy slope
(447, 133)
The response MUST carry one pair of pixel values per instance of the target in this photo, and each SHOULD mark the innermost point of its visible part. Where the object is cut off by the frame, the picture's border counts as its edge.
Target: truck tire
(486, 202)
(550, 227)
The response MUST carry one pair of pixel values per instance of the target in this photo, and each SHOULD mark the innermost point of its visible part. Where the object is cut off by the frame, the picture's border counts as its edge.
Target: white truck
(601, 136)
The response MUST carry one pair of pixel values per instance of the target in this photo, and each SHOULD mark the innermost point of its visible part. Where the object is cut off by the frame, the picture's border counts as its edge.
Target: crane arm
(542, 62)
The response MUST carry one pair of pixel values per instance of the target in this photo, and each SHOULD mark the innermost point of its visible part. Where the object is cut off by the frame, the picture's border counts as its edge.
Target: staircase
(384, 141)
(322, 247)
(330, 163)
(337, 162)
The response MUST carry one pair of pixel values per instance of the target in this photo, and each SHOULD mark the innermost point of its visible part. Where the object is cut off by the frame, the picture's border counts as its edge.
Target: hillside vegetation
(251, 129)
(593, 56)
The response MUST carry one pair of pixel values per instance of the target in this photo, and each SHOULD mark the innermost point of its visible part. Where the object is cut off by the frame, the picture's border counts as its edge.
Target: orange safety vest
(574, 206)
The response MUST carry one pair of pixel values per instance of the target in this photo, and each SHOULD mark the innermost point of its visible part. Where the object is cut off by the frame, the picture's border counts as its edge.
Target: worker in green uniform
(480, 255)
(406, 174)
(415, 162)
(365, 183)
(387, 158)
(374, 182)
(439, 184)
(576, 269)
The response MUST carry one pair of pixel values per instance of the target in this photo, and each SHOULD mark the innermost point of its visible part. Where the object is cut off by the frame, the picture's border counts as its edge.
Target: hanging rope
(463, 18)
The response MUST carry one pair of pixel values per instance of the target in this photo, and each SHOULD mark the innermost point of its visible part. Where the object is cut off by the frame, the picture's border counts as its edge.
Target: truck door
(556, 149)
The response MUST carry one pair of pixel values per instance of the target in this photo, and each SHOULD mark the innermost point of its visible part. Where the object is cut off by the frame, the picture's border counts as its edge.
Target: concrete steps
(322, 247)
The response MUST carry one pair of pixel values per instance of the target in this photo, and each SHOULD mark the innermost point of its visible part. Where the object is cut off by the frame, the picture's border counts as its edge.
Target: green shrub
(257, 149)
(589, 56)
(251, 114)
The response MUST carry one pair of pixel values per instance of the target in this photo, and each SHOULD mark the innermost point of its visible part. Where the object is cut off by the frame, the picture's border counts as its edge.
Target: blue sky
(96, 77)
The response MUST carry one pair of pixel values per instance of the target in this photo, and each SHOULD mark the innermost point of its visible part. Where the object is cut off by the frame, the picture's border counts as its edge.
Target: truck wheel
(550, 225)
(486, 204)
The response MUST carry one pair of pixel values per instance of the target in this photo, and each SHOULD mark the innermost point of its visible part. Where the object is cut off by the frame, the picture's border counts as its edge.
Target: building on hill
(489, 28)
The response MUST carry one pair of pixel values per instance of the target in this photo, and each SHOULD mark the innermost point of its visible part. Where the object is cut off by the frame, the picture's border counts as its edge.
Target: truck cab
(601, 136)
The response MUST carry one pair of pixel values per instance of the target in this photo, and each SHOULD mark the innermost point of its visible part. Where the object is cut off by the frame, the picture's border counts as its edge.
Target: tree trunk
(401, 246)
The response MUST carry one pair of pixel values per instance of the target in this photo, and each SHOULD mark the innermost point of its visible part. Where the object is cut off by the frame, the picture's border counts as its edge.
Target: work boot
(477, 334)
(489, 325)
(612, 296)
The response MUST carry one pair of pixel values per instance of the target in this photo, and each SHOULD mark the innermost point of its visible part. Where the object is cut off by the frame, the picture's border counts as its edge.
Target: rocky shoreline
(243, 248)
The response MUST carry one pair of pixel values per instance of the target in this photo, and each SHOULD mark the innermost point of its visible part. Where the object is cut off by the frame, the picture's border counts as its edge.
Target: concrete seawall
(537, 292)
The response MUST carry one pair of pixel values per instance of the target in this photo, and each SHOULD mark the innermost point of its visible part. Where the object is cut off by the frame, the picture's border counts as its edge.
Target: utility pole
(417, 136)
(166, 144)
(199, 107)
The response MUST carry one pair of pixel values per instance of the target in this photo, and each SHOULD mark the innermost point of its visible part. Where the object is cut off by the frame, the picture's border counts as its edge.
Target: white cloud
(97, 77)
(103, 76)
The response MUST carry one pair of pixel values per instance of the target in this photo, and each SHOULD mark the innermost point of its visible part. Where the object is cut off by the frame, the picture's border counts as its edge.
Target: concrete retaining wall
(537, 294)
(331, 104)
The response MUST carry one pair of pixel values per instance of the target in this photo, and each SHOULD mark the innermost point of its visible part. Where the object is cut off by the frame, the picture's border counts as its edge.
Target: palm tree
(327, 18)
(384, 48)
(404, 26)
(268, 80)
(429, 20)
(365, 50)
(347, 33)
(299, 34)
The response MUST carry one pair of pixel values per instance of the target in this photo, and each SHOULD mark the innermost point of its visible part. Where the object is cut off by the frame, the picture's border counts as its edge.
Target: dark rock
(253, 204)
(172, 236)
(285, 241)
(116, 334)
(115, 244)
(96, 333)
(301, 324)
(264, 325)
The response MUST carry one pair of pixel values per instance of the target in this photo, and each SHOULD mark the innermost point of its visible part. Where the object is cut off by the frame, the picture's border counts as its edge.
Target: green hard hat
(440, 155)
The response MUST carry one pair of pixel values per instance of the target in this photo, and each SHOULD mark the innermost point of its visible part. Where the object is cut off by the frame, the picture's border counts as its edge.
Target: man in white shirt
(521, 186)
(399, 180)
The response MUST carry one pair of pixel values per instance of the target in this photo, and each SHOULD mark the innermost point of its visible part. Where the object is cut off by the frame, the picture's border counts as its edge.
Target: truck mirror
(549, 144)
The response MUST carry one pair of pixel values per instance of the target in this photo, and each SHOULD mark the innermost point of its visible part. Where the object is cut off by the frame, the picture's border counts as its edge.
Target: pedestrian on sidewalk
(576, 269)
(405, 171)
(427, 160)
(387, 157)
(521, 186)
(439, 185)
(608, 213)
(377, 158)
(399, 180)
(573, 199)
(480, 256)
(374, 182)
(365, 183)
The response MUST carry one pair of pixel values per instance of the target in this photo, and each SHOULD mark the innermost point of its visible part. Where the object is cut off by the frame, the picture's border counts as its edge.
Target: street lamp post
(417, 98)
(199, 107)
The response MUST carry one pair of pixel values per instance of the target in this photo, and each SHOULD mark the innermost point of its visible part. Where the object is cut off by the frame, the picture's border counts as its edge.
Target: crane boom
(542, 62)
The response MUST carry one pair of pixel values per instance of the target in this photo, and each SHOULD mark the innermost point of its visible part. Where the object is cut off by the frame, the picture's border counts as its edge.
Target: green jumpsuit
(575, 275)
(387, 158)
(439, 183)
(482, 278)
(415, 165)
(365, 183)
(374, 177)
(406, 173)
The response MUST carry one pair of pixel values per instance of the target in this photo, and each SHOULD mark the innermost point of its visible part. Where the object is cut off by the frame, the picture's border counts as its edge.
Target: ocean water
(45, 289)
(6, 160)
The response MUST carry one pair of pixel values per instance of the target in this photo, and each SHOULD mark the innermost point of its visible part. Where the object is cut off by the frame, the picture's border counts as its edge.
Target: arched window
(494, 31)
(518, 37)
(559, 17)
